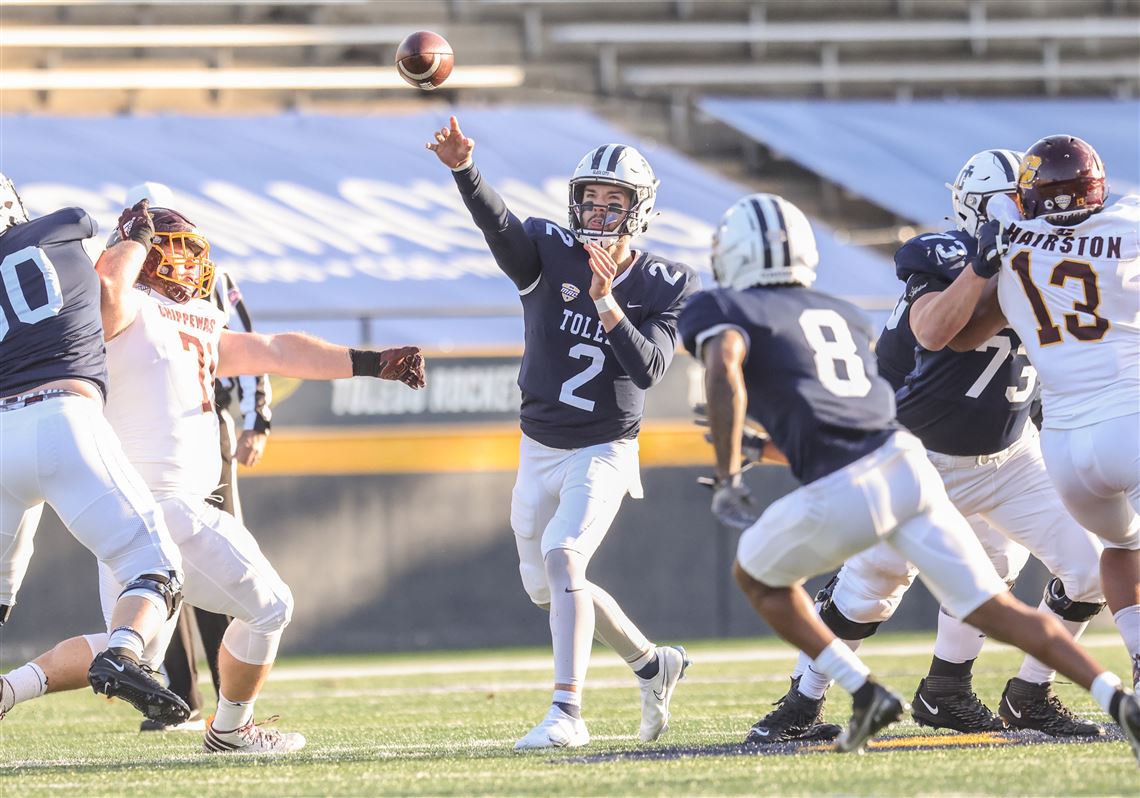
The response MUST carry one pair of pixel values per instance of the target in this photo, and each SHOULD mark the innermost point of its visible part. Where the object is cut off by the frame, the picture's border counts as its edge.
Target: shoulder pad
(66, 224)
(941, 255)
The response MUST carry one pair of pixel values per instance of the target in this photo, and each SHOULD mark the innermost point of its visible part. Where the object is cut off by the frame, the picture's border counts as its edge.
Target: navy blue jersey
(580, 385)
(810, 374)
(958, 403)
(50, 326)
(575, 390)
(894, 351)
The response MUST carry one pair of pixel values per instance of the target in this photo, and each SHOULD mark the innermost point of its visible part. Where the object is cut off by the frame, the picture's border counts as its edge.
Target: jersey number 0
(15, 291)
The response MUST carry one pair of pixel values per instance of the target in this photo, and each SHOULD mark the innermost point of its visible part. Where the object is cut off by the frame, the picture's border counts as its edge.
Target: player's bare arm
(986, 321)
(938, 318)
(306, 357)
(118, 268)
(727, 399)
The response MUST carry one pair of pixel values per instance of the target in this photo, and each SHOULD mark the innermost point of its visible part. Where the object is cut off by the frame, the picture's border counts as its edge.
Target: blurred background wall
(285, 132)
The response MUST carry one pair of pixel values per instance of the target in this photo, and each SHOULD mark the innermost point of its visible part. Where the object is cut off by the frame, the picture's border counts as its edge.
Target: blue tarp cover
(325, 219)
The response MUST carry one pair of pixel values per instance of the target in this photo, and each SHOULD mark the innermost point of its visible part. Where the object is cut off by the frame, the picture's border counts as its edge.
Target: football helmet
(12, 210)
(987, 173)
(615, 165)
(178, 264)
(1062, 180)
(764, 240)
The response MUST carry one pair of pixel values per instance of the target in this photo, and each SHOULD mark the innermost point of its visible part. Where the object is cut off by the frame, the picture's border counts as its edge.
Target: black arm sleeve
(511, 247)
(646, 352)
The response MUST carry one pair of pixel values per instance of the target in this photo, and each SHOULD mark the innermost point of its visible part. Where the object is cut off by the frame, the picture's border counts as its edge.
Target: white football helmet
(987, 173)
(616, 165)
(763, 240)
(12, 210)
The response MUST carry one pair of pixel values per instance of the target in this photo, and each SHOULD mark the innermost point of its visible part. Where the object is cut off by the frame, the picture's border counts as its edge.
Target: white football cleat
(658, 691)
(557, 730)
(252, 739)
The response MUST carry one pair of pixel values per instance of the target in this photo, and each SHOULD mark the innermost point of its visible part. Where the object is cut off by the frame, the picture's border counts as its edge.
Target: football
(424, 59)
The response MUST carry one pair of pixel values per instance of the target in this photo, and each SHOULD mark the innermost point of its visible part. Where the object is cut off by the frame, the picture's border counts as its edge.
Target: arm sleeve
(253, 391)
(510, 245)
(645, 352)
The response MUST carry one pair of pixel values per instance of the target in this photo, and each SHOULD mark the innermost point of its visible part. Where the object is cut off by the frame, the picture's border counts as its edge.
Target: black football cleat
(796, 717)
(1025, 705)
(1128, 716)
(883, 709)
(120, 677)
(949, 702)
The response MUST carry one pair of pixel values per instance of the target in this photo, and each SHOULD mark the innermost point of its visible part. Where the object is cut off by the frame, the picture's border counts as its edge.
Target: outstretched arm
(511, 247)
(119, 266)
(307, 357)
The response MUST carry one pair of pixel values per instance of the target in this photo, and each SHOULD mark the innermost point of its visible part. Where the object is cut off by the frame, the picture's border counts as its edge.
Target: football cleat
(881, 711)
(657, 692)
(1136, 673)
(1025, 705)
(252, 738)
(557, 730)
(948, 702)
(195, 723)
(7, 698)
(1128, 716)
(796, 717)
(120, 677)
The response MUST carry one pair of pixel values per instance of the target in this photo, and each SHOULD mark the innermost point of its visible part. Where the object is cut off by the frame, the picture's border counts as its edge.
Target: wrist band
(365, 363)
(463, 167)
(606, 302)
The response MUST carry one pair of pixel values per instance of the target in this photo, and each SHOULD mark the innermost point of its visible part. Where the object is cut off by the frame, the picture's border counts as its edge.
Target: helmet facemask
(985, 175)
(12, 210)
(611, 165)
(587, 207)
(179, 266)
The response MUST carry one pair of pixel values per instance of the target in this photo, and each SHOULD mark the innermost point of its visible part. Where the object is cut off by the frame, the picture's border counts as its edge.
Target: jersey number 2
(16, 298)
(597, 360)
(832, 348)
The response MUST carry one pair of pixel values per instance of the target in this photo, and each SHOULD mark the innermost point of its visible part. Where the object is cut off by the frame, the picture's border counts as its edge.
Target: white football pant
(226, 573)
(892, 495)
(1096, 469)
(567, 499)
(62, 451)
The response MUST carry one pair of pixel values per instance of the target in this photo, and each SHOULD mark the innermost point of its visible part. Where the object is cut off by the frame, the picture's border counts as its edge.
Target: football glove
(405, 364)
(135, 224)
(732, 503)
(993, 242)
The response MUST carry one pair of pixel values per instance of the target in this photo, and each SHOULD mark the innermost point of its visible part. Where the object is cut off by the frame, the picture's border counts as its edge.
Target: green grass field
(445, 723)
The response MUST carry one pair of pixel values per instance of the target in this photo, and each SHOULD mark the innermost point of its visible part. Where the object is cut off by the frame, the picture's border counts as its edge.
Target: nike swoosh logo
(631, 305)
(1016, 714)
(575, 590)
(121, 668)
(933, 710)
(665, 679)
(761, 732)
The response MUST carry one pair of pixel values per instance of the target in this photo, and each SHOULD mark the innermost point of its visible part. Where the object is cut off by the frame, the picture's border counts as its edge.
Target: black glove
(136, 224)
(993, 242)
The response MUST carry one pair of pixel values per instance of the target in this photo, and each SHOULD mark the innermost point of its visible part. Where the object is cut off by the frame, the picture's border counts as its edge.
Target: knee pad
(249, 645)
(1065, 607)
(534, 583)
(842, 626)
(166, 587)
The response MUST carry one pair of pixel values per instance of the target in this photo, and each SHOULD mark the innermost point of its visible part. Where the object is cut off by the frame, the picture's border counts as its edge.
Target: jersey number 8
(833, 348)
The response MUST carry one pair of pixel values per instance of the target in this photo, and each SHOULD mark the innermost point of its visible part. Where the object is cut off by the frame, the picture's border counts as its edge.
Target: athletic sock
(1106, 692)
(23, 684)
(813, 682)
(650, 670)
(1128, 622)
(956, 642)
(232, 715)
(955, 670)
(840, 663)
(125, 641)
(1034, 670)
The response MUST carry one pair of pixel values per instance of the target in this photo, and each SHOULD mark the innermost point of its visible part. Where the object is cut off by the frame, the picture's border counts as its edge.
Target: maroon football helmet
(1062, 180)
(178, 264)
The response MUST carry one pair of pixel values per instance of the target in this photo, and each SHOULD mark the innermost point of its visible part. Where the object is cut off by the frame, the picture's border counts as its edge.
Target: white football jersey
(161, 397)
(1072, 294)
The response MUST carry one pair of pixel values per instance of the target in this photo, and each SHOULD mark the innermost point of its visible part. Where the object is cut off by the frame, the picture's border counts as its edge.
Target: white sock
(1103, 688)
(232, 715)
(1128, 622)
(840, 663)
(567, 697)
(802, 663)
(23, 684)
(957, 641)
(614, 628)
(128, 639)
(1034, 670)
(814, 684)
